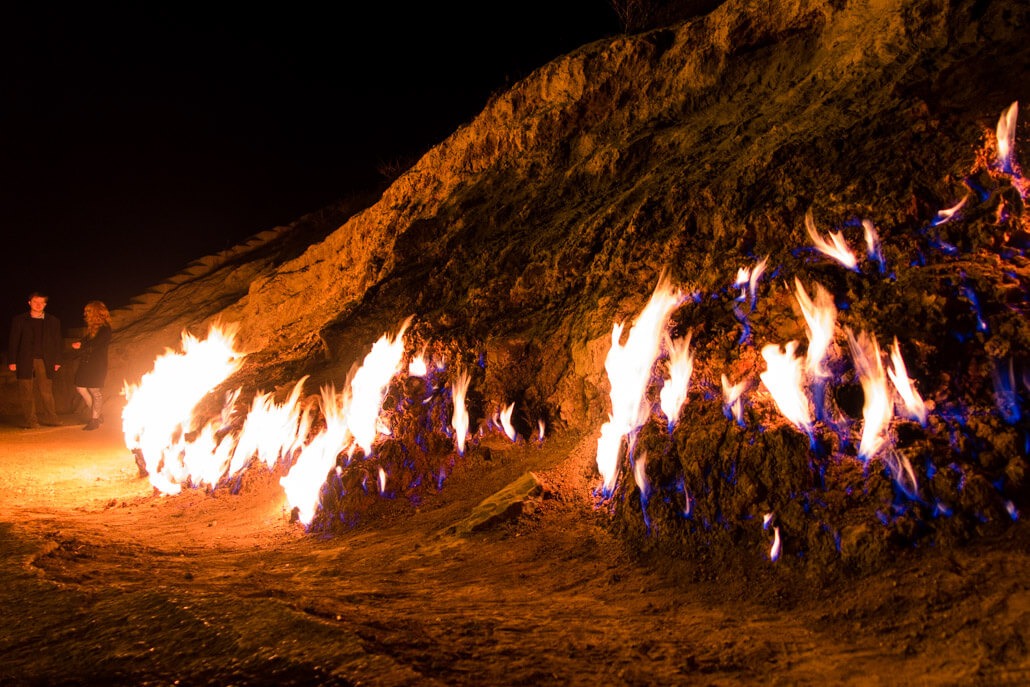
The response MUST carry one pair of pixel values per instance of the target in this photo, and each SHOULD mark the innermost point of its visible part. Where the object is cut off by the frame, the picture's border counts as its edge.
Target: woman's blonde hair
(96, 315)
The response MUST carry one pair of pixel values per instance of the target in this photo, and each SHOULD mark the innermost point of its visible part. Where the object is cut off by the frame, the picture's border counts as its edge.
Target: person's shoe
(52, 424)
(31, 425)
(92, 424)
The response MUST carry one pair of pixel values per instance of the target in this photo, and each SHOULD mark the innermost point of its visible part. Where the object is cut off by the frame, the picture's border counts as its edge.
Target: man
(34, 352)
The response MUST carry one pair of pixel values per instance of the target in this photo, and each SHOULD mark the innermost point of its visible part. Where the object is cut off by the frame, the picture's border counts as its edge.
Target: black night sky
(135, 138)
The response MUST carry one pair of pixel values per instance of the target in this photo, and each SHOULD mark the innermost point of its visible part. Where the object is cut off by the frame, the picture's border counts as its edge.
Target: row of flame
(787, 377)
(159, 411)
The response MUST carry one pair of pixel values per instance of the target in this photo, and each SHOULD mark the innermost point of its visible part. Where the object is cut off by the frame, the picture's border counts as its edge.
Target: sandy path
(106, 582)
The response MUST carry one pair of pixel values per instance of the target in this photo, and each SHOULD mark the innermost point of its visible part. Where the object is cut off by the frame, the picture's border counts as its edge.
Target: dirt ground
(105, 582)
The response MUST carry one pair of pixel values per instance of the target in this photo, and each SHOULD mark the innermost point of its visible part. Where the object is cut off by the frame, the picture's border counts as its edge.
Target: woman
(89, 378)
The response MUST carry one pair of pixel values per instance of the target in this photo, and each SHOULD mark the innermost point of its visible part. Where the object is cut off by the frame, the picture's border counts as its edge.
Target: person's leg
(27, 399)
(87, 397)
(97, 404)
(46, 392)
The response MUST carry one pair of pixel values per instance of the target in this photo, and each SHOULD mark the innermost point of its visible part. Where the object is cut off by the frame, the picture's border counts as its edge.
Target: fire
(949, 214)
(820, 322)
(749, 277)
(1006, 135)
(417, 367)
(640, 477)
(368, 387)
(732, 395)
(317, 457)
(509, 430)
(159, 411)
(783, 379)
(836, 248)
(872, 242)
(629, 371)
(460, 415)
(774, 549)
(877, 408)
(681, 367)
(914, 406)
(271, 430)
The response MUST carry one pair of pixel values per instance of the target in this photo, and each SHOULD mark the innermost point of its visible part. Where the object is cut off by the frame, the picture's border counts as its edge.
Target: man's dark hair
(39, 294)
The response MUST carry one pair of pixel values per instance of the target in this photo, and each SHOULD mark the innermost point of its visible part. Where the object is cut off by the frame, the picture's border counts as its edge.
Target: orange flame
(304, 481)
(947, 214)
(783, 380)
(509, 430)
(159, 411)
(271, 430)
(629, 371)
(417, 367)
(820, 322)
(368, 386)
(681, 366)
(836, 248)
(460, 415)
(877, 408)
(1006, 135)
(640, 476)
(732, 398)
(914, 406)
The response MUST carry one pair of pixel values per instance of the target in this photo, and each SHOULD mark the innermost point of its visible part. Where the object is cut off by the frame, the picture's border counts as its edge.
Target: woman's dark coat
(93, 359)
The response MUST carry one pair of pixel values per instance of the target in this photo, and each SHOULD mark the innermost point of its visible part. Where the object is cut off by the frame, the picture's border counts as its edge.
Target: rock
(503, 506)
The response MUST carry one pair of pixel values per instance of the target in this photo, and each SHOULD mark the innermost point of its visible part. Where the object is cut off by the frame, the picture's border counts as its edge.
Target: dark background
(135, 139)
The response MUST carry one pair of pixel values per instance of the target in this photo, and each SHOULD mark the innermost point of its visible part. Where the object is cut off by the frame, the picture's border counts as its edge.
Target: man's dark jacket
(19, 350)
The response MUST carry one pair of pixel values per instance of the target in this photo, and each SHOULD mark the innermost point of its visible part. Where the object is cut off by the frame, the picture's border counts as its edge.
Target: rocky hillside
(694, 151)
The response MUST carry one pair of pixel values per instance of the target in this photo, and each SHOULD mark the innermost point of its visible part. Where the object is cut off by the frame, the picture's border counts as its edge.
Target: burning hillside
(836, 227)
(627, 380)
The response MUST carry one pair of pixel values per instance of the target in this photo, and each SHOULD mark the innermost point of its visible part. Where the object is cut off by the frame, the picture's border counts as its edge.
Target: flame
(877, 408)
(506, 412)
(820, 322)
(1006, 135)
(271, 430)
(417, 367)
(774, 550)
(351, 417)
(750, 277)
(681, 367)
(629, 371)
(914, 406)
(304, 481)
(159, 411)
(872, 242)
(640, 477)
(901, 469)
(783, 380)
(835, 248)
(949, 214)
(368, 386)
(541, 427)
(460, 415)
(382, 480)
(732, 399)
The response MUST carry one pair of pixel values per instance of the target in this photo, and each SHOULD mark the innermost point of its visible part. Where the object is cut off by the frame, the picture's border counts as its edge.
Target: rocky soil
(108, 583)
